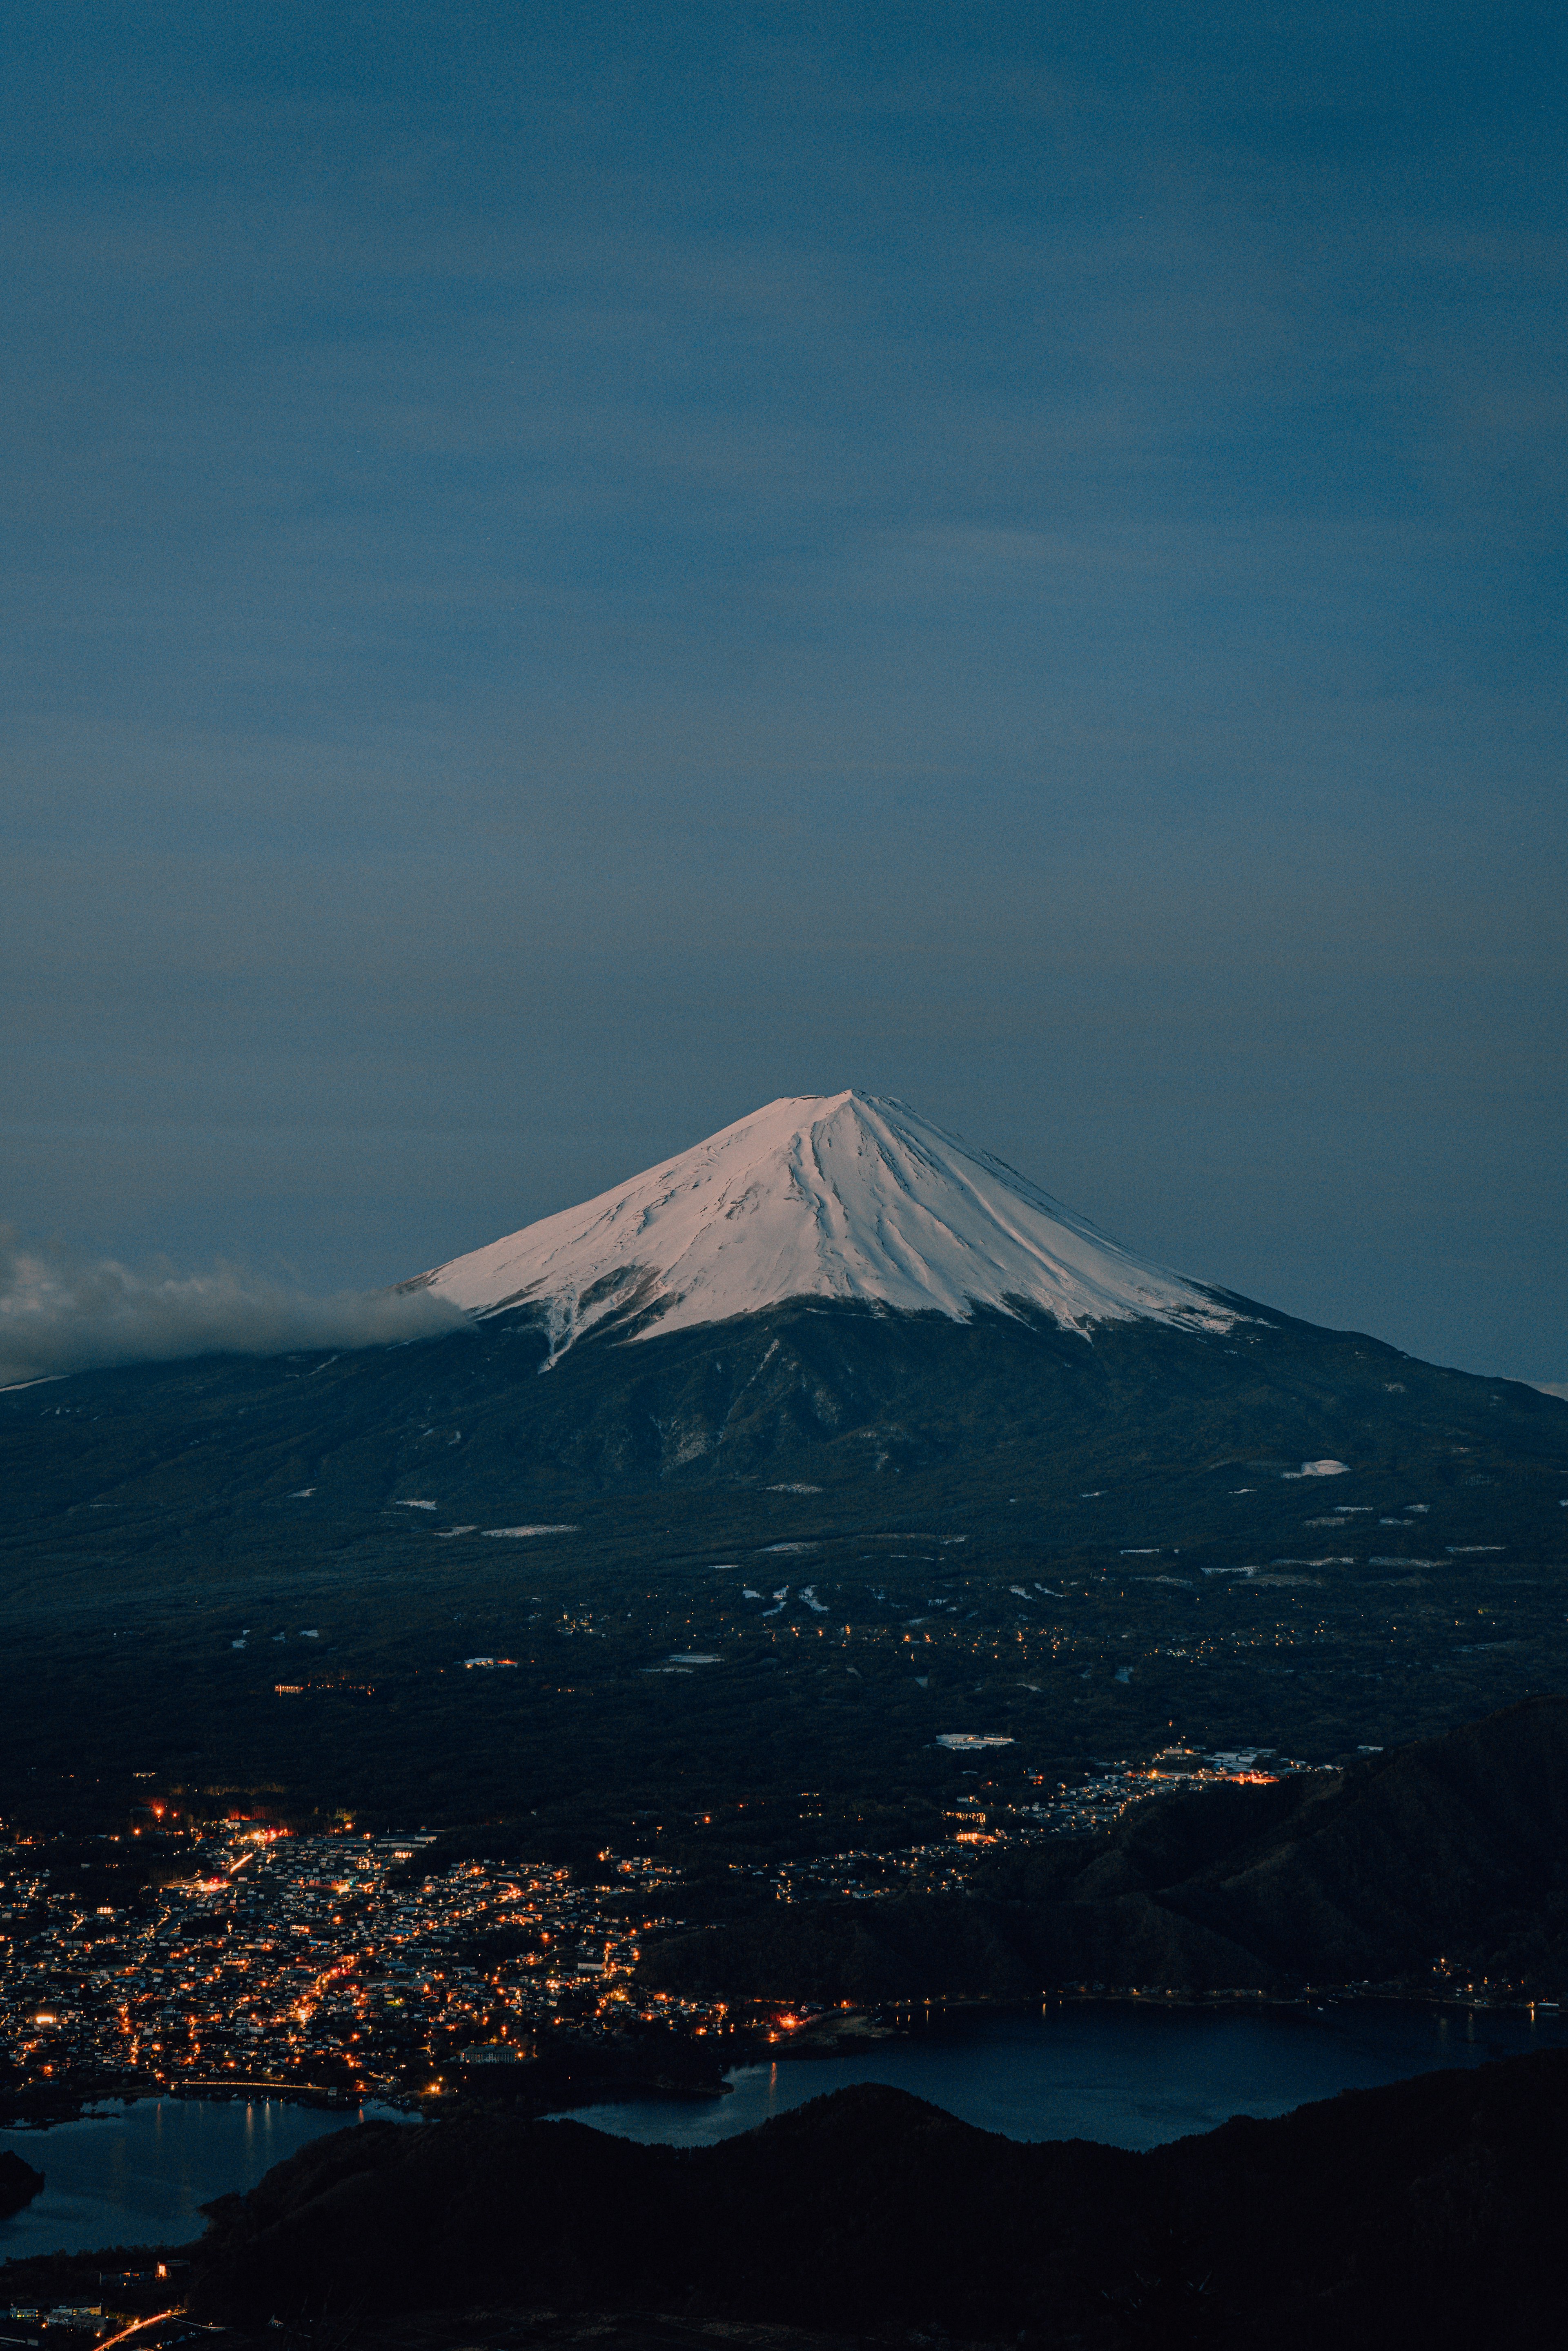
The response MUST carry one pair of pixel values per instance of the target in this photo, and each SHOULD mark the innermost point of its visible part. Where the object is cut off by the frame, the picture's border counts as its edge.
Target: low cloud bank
(61, 1315)
(1553, 1387)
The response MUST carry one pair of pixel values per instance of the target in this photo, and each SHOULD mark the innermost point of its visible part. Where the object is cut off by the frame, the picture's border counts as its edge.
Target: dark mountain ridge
(1445, 1861)
(19, 2183)
(1428, 2212)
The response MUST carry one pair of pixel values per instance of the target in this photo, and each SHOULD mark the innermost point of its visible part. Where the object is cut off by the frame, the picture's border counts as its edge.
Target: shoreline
(837, 2033)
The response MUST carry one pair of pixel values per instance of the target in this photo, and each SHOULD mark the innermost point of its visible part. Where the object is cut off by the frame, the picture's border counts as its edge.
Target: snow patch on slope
(849, 1197)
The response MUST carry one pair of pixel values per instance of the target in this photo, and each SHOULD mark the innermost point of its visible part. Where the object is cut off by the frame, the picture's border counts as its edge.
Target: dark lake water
(137, 2175)
(1131, 2075)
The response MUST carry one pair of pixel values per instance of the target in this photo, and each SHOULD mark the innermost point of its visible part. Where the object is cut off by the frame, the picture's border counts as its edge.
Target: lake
(138, 2174)
(1133, 2074)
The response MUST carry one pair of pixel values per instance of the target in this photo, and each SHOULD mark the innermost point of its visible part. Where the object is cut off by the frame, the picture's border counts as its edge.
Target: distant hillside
(1429, 2213)
(845, 1395)
(1451, 1850)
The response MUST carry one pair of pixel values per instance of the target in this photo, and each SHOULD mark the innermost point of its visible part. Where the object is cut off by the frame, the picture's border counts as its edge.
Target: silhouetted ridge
(1452, 1849)
(19, 2183)
(1426, 2212)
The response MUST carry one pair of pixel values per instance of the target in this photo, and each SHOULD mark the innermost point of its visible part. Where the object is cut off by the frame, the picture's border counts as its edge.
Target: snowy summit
(843, 1195)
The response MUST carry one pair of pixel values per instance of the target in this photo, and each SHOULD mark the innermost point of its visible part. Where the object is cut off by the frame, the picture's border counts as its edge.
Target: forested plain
(240, 1582)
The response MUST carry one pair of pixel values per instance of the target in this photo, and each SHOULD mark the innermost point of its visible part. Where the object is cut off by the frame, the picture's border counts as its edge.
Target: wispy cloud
(60, 1313)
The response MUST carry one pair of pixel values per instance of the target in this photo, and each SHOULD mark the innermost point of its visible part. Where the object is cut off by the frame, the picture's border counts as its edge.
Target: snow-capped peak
(843, 1195)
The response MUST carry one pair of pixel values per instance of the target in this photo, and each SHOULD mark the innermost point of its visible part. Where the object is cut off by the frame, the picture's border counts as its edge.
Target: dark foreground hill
(1446, 1858)
(1429, 2213)
(19, 2183)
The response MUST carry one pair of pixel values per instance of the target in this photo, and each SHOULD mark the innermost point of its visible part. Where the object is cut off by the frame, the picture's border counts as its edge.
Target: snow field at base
(849, 1197)
(519, 1531)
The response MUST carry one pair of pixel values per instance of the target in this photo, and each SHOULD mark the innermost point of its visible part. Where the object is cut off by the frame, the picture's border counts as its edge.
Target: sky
(569, 571)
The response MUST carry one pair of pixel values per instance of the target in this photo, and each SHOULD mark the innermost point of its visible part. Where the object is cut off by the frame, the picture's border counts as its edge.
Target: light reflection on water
(138, 2174)
(1129, 2075)
(1132, 2075)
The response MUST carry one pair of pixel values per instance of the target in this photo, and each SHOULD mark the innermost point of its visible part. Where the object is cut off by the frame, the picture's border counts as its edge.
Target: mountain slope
(1199, 1585)
(847, 1196)
(833, 1394)
(1451, 1850)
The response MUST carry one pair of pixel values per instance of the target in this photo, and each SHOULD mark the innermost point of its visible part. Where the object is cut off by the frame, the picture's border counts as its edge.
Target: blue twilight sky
(569, 570)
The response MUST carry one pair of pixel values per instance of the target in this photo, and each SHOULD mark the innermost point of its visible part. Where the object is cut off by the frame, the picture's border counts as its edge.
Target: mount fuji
(843, 1196)
(831, 1377)
(832, 1295)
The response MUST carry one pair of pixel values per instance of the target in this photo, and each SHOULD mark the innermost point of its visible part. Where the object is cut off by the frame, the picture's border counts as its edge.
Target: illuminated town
(346, 1965)
(331, 1962)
